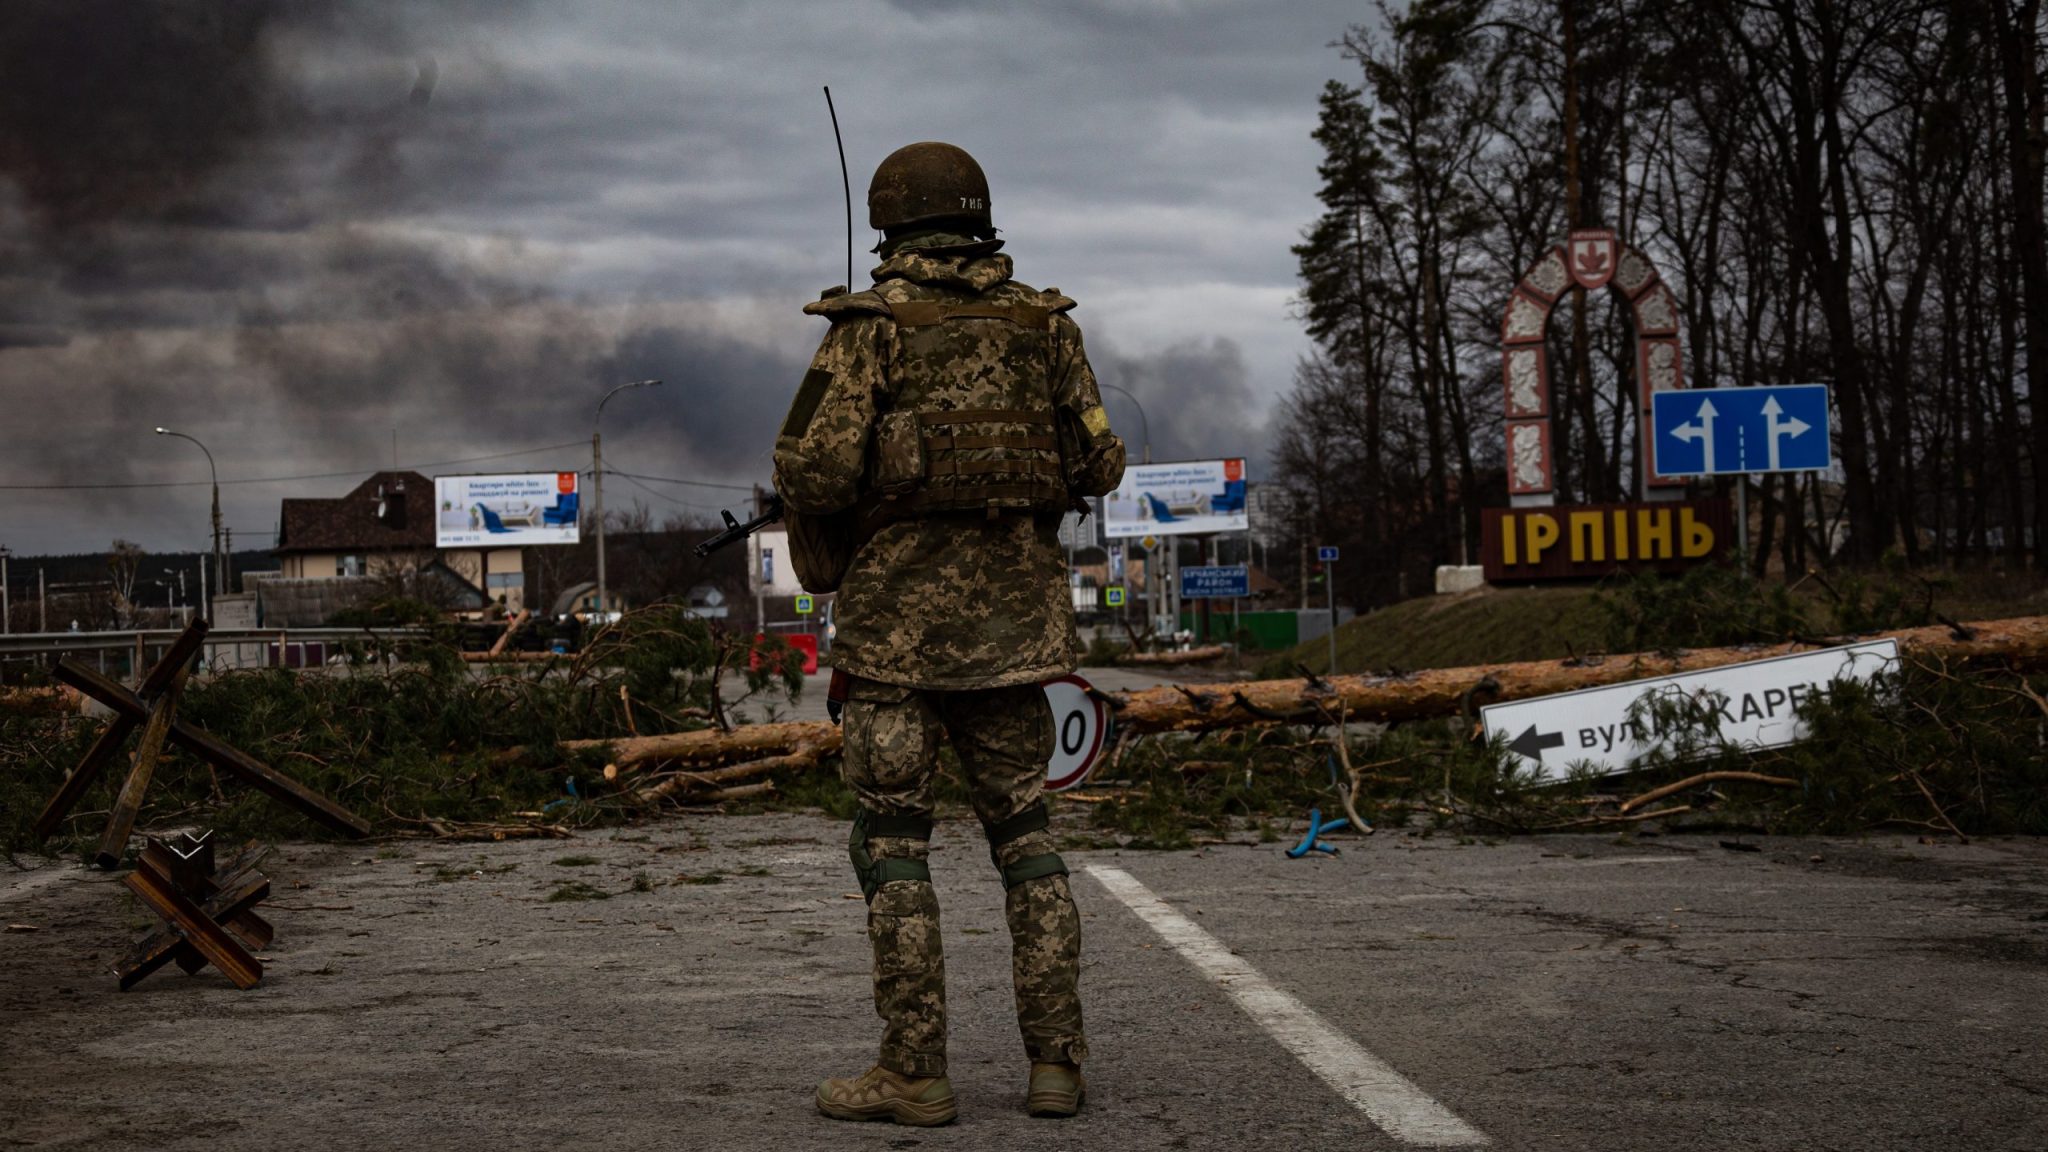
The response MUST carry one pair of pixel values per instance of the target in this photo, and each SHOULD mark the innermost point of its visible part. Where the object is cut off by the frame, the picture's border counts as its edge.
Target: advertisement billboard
(1187, 498)
(505, 511)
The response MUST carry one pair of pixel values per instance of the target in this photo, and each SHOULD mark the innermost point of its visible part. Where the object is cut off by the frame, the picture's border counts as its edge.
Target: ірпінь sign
(1610, 728)
(1589, 540)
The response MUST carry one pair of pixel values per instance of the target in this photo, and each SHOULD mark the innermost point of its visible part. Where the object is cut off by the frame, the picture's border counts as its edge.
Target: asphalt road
(1567, 992)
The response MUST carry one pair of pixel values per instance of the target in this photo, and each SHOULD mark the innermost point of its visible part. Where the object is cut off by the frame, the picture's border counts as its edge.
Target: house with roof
(384, 528)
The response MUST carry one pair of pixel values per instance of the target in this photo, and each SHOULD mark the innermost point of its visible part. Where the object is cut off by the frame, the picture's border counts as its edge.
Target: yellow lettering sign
(1510, 552)
(1653, 534)
(1695, 538)
(1542, 534)
(1589, 537)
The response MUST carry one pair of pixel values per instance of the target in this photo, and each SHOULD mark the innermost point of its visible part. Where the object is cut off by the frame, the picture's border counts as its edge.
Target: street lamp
(597, 477)
(6, 615)
(220, 572)
(1144, 425)
(1154, 593)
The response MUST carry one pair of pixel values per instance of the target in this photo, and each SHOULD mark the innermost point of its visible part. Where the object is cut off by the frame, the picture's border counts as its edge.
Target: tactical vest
(971, 425)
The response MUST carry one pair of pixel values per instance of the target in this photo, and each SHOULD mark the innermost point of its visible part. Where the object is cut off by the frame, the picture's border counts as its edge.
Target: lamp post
(220, 573)
(1144, 425)
(6, 613)
(1155, 590)
(597, 478)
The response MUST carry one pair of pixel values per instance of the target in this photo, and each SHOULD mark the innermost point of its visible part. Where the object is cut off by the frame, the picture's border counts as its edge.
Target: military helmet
(928, 181)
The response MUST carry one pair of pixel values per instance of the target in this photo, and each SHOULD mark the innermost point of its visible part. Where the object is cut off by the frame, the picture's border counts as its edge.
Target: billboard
(505, 511)
(1188, 498)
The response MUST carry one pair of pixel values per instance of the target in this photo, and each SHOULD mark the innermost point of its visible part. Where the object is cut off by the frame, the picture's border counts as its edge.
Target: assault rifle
(736, 531)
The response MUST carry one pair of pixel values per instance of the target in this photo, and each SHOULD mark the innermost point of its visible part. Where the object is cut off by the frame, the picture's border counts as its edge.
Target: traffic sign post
(1725, 431)
(1326, 554)
(1113, 596)
(1610, 728)
(1079, 725)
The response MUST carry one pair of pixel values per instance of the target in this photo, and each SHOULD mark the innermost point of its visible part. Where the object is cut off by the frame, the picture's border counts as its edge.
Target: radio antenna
(844, 182)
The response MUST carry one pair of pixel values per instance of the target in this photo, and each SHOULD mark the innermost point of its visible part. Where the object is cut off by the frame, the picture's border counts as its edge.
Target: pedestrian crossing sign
(804, 605)
(1113, 596)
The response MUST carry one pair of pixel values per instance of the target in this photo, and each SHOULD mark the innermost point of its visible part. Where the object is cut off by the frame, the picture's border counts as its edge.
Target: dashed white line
(1387, 1098)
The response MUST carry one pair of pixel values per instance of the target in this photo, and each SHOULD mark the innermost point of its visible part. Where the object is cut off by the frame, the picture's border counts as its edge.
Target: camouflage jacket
(955, 601)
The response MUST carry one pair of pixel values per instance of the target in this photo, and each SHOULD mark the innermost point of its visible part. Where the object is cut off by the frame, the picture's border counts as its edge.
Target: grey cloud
(1197, 401)
(465, 219)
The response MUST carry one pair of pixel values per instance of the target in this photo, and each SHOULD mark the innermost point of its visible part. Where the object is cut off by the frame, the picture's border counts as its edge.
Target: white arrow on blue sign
(1326, 553)
(1719, 431)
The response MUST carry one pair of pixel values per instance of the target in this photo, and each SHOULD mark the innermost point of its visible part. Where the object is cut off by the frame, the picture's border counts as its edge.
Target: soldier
(947, 423)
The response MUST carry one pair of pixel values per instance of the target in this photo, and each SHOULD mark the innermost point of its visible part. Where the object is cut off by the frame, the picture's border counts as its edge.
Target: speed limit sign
(1079, 723)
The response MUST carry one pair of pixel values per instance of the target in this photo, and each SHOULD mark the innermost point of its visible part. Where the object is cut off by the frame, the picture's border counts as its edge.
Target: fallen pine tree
(2021, 644)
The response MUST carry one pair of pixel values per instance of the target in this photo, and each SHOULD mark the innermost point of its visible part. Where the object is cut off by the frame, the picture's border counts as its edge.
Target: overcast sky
(295, 228)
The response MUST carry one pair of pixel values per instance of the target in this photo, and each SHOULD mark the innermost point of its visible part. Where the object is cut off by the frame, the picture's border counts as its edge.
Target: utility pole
(6, 616)
(42, 602)
(597, 478)
(757, 577)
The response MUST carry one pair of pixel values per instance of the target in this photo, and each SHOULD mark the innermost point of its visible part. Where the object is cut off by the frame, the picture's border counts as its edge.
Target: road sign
(1757, 703)
(1113, 596)
(805, 605)
(1718, 431)
(1150, 542)
(1079, 723)
(1215, 582)
(1326, 553)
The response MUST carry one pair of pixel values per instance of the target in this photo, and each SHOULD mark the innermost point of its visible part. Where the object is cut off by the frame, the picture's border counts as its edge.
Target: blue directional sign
(1717, 431)
(1216, 582)
(1326, 553)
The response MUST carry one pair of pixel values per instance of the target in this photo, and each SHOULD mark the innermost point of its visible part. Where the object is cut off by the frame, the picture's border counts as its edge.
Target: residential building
(384, 528)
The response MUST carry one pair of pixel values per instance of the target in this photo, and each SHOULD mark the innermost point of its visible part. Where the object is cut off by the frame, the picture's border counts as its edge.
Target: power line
(280, 479)
(747, 488)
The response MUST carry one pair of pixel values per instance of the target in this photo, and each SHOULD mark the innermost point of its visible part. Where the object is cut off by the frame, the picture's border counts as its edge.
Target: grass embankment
(1506, 625)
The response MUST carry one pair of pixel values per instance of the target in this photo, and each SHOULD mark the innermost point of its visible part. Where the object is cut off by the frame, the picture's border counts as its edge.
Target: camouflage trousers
(1003, 738)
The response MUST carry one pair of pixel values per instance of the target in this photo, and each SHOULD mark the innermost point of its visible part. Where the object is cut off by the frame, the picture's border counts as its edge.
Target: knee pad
(874, 873)
(1032, 819)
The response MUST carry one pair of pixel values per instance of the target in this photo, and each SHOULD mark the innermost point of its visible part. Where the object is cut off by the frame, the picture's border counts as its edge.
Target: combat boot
(1056, 1090)
(879, 1094)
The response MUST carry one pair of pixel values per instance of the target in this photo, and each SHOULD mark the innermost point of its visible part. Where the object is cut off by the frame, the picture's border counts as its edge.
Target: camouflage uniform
(948, 624)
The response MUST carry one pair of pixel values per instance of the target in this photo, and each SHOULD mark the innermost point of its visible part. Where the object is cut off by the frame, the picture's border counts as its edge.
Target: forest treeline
(1847, 192)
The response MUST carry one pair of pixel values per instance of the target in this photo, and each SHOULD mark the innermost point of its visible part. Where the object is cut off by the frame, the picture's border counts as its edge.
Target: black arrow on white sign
(1531, 743)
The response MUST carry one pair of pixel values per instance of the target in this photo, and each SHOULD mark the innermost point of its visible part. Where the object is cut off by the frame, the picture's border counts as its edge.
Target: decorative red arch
(1591, 258)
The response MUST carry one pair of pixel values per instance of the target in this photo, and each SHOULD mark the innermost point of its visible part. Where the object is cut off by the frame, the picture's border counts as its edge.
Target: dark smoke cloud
(114, 109)
(1197, 400)
(291, 226)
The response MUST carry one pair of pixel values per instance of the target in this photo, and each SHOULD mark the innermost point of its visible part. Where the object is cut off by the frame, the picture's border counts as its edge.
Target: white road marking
(1388, 1099)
